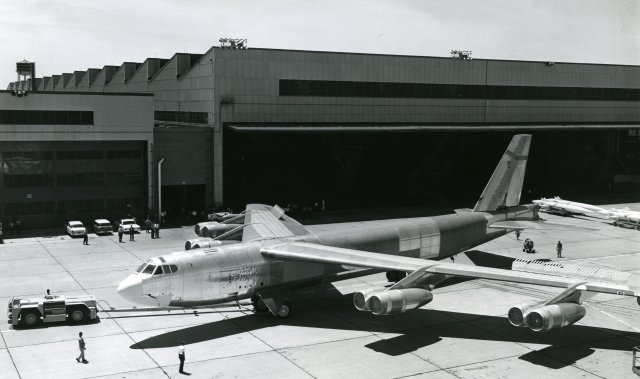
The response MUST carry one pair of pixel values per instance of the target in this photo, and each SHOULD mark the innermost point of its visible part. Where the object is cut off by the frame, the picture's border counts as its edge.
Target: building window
(124, 178)
(80, 179)
(134, 203)
(124, 154)
(73, 155)
(188, 117)
(41, 117)
(84, 205)
(33, 180)
(451, 91)
(28, 208)
(27, 155)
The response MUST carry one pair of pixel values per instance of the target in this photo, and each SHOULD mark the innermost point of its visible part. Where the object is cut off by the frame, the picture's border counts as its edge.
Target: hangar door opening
(373, 170)
(180, 200)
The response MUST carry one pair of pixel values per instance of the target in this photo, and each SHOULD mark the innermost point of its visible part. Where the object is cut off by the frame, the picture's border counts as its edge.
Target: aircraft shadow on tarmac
(416, 329)
(325, 308)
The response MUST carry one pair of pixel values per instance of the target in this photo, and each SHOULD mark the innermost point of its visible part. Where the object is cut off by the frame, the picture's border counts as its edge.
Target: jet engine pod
(198, 227)
(215, 229)
(361, 298)
(197, 243)
(230, 216)
(517, 312)
(554, 316)
(393, 302)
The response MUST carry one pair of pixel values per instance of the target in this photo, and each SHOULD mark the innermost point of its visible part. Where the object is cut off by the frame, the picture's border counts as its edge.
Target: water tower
(27, 69)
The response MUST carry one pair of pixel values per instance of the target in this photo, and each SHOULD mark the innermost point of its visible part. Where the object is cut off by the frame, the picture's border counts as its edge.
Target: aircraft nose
(131, 288)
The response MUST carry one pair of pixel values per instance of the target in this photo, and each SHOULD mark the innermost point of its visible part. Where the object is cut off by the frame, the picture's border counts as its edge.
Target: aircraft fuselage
(238, 271)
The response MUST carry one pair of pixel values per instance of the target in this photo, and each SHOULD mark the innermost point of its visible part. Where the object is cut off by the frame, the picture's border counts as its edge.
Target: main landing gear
(274, 300)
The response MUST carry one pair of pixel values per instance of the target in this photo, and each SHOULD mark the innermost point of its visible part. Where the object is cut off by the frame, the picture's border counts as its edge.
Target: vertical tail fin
(505, 185)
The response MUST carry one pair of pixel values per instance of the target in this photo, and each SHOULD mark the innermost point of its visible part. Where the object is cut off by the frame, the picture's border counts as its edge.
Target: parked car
(102, 226)
(128, 223)
(75, 228)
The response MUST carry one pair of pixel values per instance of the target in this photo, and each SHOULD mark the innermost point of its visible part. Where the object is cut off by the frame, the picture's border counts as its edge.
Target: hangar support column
(226, 103)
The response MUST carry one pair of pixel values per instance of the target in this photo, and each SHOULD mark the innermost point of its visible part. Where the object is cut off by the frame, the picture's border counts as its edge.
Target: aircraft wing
(547, 274)
(264, 221)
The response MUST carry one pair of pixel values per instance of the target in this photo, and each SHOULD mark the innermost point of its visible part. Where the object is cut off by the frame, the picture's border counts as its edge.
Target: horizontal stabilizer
(537, 225)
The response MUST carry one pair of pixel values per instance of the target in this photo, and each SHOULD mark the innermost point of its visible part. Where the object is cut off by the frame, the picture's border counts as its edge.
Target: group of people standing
(131, 232)
(149, 226)
(152, 227)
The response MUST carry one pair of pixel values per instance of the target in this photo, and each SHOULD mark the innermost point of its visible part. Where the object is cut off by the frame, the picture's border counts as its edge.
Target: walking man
(120, 233)
(181, 356)
(85, 239)
(82, 347)
(559, 249)
(131, 232)
(156, 226)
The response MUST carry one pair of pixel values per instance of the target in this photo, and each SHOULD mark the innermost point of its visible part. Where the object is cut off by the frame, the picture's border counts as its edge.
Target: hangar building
(68, 155)
(362, 130)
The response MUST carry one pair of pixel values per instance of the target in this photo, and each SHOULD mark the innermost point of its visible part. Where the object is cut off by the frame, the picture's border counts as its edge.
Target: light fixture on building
(233, 43)
(19, 93)
(461, 54)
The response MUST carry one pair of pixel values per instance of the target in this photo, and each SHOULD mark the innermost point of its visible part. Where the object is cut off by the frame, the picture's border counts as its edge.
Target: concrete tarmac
(462, 333)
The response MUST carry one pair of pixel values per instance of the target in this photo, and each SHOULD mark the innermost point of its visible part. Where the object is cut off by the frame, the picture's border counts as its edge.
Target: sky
(72, 35)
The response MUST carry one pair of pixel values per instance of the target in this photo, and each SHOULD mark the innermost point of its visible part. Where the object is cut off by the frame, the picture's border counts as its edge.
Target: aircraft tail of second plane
(505, 185)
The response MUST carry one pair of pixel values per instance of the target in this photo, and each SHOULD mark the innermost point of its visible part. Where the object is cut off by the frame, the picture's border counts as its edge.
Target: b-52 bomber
(276, 256)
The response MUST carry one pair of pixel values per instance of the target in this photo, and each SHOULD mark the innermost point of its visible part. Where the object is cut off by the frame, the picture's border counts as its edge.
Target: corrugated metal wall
(251, 77)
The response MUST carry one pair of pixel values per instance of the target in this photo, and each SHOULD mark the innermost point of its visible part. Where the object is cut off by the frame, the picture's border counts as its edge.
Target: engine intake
(397, 301)
(555, 316)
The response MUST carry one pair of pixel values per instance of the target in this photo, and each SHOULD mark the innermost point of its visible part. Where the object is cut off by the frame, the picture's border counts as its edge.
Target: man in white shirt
(181, 356)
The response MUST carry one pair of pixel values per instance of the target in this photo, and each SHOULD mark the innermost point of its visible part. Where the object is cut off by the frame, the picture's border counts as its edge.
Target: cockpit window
(141, 267)
(166, 269)
(149, 269)
(174, 268)
(158, 271)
